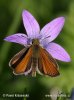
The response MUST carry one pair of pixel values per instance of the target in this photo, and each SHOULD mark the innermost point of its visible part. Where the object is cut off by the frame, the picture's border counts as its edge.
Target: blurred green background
(10, 23)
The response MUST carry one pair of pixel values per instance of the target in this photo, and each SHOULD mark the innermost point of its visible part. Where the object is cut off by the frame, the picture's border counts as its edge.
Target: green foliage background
(10, 23)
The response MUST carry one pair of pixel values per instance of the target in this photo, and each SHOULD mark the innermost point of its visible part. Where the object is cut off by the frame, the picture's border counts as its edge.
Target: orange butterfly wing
(20, 65)
(47, 63)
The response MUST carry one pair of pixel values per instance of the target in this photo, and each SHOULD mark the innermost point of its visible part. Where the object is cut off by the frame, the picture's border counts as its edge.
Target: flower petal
(30, 24)
(52, 29)
(58, 52)
(17, 38)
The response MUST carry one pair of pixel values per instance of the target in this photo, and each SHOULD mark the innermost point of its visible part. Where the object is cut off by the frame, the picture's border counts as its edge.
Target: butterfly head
(35, 42)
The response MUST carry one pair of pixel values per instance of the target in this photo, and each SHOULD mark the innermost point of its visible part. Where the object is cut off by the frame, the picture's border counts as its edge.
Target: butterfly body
(35, 56)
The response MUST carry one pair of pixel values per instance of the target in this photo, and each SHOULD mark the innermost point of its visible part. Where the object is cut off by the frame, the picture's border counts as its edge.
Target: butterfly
(34, 59)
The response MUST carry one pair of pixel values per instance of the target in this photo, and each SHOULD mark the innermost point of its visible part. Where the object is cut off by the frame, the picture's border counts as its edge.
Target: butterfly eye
(32, 41)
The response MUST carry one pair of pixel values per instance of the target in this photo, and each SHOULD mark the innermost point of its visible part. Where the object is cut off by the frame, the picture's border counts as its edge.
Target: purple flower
(47, 34)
